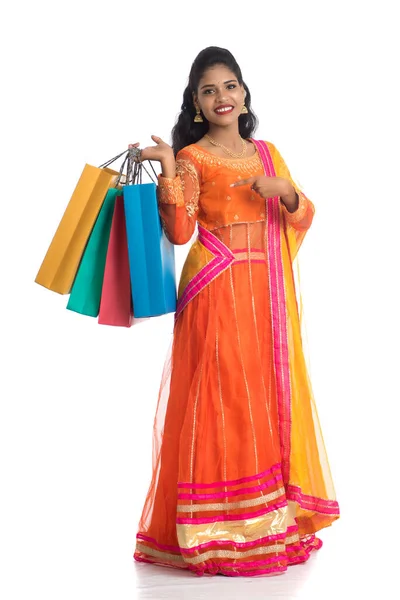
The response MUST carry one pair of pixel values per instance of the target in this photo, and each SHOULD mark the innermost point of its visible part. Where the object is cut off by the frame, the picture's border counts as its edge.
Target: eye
(208, 92)
(231, 86)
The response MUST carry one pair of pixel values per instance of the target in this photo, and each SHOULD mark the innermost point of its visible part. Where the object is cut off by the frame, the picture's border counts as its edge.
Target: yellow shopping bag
(62, 259)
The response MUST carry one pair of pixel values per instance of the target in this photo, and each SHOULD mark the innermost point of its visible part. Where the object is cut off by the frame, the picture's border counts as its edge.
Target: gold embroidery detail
(243, 165)
(231, 505)
(213, 183)
(228, 198)
(169, 191)
(185, 167)
(292, 539)
(256, 255)
(235, 553)
(213, 229)
(236, 217)
(158, 553)
(298, 214)
(245, 530)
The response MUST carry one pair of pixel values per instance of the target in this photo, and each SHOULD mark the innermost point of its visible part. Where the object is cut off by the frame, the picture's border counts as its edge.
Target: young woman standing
(241, 481)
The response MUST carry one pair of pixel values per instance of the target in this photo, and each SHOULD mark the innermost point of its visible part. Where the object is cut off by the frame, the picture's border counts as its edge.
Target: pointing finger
(243, 182)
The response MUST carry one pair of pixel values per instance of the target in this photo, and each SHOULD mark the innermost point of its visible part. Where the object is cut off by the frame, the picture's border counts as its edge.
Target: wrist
(168, 166)
(289, 196)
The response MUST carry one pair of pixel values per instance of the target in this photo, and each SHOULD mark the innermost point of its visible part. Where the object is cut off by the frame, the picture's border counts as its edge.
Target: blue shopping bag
(151, 254)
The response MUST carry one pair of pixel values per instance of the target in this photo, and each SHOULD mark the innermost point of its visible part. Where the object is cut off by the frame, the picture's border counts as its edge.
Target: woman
(240, 477)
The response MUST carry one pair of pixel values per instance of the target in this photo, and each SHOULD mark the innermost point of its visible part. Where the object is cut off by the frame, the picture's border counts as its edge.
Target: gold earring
(198, 118)
(244, 110)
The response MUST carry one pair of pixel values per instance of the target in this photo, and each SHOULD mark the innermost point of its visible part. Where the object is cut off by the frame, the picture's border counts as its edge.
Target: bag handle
(135, 166)
(109, 162)
(121, 171)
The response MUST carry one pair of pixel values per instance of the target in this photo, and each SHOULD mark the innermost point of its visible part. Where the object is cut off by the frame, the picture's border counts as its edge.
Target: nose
(221, 96)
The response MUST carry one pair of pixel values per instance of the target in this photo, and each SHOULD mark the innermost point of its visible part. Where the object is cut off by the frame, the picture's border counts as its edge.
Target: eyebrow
(213, 85)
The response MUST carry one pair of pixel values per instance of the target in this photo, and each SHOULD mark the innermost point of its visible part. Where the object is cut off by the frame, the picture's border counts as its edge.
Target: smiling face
(219, 96)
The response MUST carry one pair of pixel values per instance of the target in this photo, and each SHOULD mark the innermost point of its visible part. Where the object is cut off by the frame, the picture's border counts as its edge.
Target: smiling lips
(224, 110)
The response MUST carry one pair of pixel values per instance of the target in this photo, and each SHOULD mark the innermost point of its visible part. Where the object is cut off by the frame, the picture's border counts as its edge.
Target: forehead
(217, 75)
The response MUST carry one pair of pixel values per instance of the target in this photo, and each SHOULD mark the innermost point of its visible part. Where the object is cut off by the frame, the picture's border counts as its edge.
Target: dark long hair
(186, 131)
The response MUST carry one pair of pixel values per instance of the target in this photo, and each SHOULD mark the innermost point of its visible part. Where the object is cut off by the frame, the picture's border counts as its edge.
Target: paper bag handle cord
(109, 162)
(135, 167)
(130, 155)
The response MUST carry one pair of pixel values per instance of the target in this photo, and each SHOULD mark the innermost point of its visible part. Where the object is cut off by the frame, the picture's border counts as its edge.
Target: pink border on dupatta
(327, 507)
(278, 313)
(223, 258)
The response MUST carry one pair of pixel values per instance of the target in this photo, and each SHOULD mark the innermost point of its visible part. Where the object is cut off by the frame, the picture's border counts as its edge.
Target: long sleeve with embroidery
(297, 223)
(302, 217)
(179, 200)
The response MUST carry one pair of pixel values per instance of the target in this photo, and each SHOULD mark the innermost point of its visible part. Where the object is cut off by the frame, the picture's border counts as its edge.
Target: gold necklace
(225, 149)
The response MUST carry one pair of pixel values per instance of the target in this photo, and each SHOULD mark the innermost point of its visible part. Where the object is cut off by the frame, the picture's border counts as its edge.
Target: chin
(224, 121)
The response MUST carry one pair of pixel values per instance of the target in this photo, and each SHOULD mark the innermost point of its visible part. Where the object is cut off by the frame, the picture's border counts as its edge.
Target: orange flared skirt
(218, 500)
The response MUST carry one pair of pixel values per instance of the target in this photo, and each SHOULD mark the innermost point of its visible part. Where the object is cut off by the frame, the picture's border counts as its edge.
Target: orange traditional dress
(241, 481)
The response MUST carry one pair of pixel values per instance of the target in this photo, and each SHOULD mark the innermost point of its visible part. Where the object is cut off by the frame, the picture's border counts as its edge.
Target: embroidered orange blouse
(201, 192)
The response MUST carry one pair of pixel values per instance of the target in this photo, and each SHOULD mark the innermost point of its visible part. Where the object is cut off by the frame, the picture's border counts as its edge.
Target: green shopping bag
(86, 290)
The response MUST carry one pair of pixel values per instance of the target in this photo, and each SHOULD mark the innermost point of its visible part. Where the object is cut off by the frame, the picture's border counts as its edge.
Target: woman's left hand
(267, 187)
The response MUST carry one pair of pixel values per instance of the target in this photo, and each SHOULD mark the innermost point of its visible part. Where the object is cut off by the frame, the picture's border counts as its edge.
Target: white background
(79, 82)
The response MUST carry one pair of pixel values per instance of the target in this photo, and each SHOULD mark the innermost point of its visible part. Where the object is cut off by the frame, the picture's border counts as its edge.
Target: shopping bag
(86, 290)
(61, 262)
(151, 254)
(116, 300)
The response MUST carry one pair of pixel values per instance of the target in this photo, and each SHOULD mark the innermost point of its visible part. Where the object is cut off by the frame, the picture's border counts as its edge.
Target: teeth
(224, 109)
